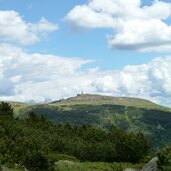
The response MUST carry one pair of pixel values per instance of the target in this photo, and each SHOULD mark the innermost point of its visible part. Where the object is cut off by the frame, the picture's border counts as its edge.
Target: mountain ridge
(102, 99)
(98, 99)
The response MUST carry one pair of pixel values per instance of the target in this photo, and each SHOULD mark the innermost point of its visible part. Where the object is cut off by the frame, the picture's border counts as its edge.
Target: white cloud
(44, 26)
(35, 76)
(14, 29)
(25, 77)
(136, 27)
(86, 17)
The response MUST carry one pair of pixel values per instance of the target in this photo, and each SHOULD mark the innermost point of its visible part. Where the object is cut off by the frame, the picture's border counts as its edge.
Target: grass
(140, 104)
(66, 165)
(80, 100)
(88, 99)
(17, 169)
(93, 166)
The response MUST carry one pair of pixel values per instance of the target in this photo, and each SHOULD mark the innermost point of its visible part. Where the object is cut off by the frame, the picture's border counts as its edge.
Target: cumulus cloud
(14, 29)
(135, 26)
(25, 76)
(35, 76)
(150, 81)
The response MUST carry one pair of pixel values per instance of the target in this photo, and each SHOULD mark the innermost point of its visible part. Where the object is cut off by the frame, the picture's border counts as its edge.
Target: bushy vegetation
(164, 162)
(153, 123)
(36, 143)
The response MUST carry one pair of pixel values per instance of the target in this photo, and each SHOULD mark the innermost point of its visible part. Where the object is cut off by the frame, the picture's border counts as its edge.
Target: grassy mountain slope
(99, 100)
(131, 114)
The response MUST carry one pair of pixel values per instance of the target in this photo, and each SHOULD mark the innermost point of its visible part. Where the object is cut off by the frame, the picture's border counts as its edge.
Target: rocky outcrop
(151, 165)
(129, 169)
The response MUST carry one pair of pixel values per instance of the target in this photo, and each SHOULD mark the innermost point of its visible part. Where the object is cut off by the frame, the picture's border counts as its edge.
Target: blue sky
(106, 47)
(89, 44)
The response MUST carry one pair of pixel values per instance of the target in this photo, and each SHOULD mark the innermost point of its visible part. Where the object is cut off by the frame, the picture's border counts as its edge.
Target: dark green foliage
(128, 146)
(154, 123)
(117, 167)
(5, 109)
(37, 143)
(164, 162)
(36, 161)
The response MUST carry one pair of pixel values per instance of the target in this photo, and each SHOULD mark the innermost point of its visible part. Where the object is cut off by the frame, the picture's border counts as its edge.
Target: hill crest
(95, 99)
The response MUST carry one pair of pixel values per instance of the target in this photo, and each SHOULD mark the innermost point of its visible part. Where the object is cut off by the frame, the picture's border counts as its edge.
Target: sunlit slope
(99, 99)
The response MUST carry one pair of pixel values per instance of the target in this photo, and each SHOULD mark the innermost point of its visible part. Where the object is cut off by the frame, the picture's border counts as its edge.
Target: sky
(55, 49)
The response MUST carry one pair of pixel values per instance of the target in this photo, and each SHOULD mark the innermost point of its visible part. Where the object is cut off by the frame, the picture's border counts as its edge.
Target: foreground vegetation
(164, 162)
(39, 145)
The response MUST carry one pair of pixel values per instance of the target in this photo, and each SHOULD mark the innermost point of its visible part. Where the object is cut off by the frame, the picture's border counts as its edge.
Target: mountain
(131, 114)
(99, 99)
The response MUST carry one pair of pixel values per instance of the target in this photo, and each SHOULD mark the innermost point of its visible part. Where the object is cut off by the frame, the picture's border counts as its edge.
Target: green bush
(117, 167)
(164, 162)
(36, 161)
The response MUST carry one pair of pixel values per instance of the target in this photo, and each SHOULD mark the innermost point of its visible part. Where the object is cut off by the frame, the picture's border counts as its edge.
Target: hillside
(131, 114)
(99, 99)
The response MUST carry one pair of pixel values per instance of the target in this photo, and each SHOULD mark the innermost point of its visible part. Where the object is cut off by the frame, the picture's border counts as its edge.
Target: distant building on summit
(80, 93)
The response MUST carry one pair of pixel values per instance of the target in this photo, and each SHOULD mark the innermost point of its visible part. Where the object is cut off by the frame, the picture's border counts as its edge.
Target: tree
(6, 109)
(164, 159)
(36, 161)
